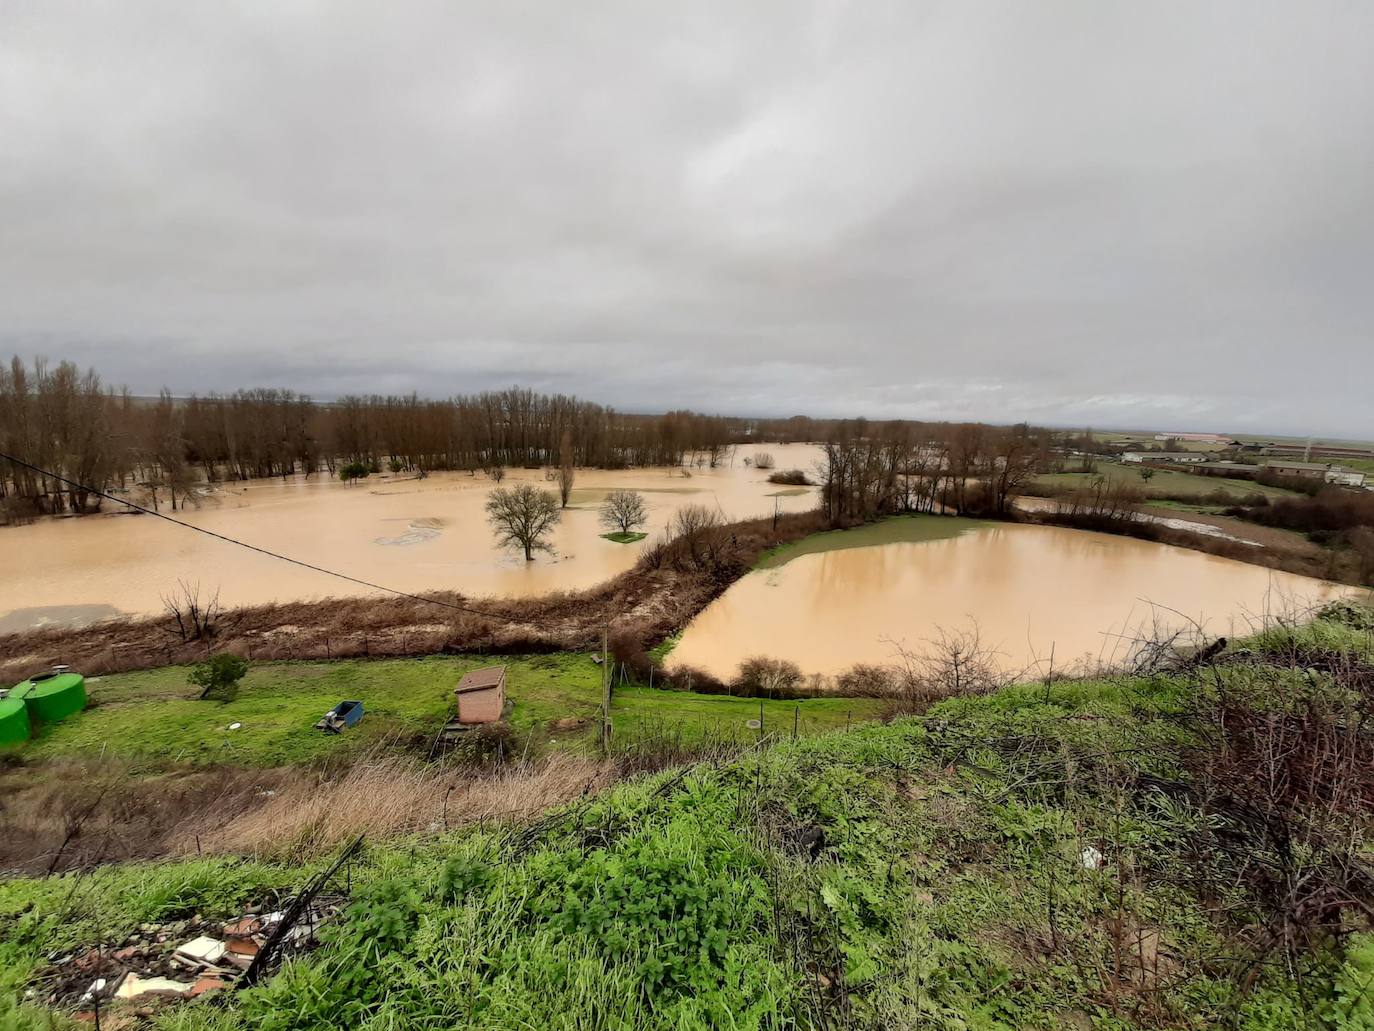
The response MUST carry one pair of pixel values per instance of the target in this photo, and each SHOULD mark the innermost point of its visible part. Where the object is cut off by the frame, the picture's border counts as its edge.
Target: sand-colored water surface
(1027, 587)
(409, 534)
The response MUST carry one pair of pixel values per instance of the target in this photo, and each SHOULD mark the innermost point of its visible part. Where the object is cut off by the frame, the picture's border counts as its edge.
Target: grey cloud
(1110, 212)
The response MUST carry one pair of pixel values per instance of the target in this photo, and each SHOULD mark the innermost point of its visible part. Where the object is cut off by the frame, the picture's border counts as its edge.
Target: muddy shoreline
(650, 603)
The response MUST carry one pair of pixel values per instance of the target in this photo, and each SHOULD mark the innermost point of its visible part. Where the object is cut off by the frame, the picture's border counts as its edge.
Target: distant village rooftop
(1175, 457)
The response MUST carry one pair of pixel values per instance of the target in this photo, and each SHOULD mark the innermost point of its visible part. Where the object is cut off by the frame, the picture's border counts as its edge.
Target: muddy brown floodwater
(409, 534)
(1027, 588)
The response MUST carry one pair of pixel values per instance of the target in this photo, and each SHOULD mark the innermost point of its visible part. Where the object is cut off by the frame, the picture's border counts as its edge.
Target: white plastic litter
(97, 988)
(135, 986)
(1092, 858)
(202, 950)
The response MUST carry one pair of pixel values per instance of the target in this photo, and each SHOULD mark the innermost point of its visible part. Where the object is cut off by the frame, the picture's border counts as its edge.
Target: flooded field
(1027, 587)
(409, 534)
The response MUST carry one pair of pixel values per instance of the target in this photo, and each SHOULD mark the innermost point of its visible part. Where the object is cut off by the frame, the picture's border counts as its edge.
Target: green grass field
(1001, 862)
(895, 530)
(1164, 481)
(624, 538)
(154, 716)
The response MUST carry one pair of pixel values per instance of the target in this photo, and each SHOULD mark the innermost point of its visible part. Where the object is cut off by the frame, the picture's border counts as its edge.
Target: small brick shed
(481, 695)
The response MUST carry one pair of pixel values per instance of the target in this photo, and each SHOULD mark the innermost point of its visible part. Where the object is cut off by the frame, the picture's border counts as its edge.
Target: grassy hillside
(154, 715)
(1104, 854)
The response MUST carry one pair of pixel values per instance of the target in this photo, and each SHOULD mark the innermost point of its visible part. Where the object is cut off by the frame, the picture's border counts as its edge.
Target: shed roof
(481, 679)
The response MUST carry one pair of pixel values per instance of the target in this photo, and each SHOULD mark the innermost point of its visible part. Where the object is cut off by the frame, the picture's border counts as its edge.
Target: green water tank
(54, 696)
(14, 721)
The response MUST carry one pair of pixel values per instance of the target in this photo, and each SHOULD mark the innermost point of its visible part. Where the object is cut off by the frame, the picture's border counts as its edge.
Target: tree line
(875, 469)
(66, 421)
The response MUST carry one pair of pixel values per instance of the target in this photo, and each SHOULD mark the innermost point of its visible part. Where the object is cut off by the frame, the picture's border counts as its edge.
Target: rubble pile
(181, 959)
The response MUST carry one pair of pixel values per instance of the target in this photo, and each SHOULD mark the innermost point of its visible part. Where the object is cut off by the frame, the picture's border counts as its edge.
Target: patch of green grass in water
(624, 538)
(894, 530)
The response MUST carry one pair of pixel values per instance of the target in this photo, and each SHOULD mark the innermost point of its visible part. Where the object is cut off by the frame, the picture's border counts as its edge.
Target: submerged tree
(624, 510)
(522, 517)
(566, 472)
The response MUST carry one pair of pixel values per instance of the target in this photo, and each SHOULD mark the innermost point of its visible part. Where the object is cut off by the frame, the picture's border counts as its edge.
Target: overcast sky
(1130, 214)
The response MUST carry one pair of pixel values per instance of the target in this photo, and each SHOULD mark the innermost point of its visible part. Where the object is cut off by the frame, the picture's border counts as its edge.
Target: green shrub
(218, 677)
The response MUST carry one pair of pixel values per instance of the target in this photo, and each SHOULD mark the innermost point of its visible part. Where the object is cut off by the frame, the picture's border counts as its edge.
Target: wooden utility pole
(605, 693)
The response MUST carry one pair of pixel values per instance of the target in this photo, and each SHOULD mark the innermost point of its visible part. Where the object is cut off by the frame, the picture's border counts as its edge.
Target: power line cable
(262, 551)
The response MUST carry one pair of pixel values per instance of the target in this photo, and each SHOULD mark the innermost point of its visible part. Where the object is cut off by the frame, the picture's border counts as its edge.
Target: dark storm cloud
(1117, 213)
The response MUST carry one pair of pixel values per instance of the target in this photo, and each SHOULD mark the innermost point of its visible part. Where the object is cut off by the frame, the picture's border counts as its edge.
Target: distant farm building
(1337, 474)
(1319, 450)
(1343, 477)
(1232, 470)
(1297, 470)
(1165, 457)
(482, 695)
(1198, 438)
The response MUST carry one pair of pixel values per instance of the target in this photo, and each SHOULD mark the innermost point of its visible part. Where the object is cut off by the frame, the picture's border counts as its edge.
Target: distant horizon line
(1315, 438)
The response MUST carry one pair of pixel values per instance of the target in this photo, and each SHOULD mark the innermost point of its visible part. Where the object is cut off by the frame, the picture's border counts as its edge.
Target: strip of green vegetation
(1162, 481)
(1184, 506)
(154, 715)
(1010, 861)
(660, 652)
(620, 537)
(894, 530)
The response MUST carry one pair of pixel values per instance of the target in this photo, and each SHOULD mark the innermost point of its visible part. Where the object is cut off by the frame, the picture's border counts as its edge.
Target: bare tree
(763, 460)
(771, 678)
(566, 473)
(196, 618)
(699, 537)
(950, 664)
(496, 472)
(1017, 455)
(624, 510)
(522, 517)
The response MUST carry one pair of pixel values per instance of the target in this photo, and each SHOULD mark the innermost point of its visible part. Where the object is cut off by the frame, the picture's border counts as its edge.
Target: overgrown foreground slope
(1179, 849)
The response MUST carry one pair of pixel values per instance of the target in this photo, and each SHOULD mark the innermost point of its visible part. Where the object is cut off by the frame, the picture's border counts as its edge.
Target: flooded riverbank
(405, 533)
(1028, 589)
